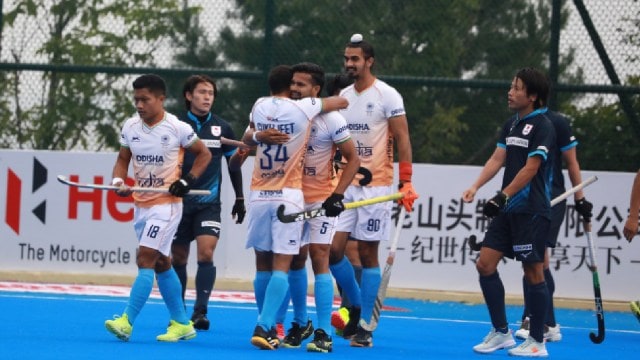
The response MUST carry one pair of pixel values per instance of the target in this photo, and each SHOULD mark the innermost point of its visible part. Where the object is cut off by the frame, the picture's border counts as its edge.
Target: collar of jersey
(532, 114)
(195, 120)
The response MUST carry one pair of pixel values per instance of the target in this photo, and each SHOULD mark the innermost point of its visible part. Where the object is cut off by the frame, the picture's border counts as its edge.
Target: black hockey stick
(596, 339)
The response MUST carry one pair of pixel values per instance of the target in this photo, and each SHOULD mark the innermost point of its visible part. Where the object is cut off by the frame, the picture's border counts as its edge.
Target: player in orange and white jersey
(154, 141)
(377, 121)
(277, 179)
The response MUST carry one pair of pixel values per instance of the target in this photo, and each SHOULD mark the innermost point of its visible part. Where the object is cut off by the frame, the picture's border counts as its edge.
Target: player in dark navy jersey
(201, 215)
(565, 152)
(520, 212)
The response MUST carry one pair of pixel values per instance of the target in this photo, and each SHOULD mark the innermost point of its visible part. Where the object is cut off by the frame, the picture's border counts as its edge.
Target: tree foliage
(74, 107)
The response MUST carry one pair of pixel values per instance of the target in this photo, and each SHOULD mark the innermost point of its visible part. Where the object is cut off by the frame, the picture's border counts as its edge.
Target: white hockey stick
(386, 276)
(64, 180)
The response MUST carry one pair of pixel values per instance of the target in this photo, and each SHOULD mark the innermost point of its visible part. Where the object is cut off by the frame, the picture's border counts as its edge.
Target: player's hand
(583, 207)
(182, 186)
(409, 195)
(469, 194)
(123, 189)
(272, 136)
(492, 207)
(630, 228)
(333, 206)
(239, 210)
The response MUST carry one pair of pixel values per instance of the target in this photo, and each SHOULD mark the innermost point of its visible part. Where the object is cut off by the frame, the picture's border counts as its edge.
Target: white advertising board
(47, 226)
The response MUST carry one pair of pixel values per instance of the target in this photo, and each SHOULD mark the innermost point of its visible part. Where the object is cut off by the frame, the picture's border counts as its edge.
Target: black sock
(181, 271)
(493, 292)
(551, 288)
(538, 302)
(525, 292)
(205, 278)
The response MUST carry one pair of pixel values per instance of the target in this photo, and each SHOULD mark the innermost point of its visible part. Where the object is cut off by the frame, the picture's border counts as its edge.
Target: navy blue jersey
(564, 141)
(532, 135)
(210, 132)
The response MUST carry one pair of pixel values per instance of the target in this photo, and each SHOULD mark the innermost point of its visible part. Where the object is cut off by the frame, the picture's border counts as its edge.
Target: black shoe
(296, 334)
(265, 340)
(321, 342)
(362, 338)
(352, 326)
(200, 321)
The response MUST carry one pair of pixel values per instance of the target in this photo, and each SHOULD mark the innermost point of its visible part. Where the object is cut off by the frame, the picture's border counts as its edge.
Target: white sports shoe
(552, 334)
(523, 332)
(530, 348)
(495, 340)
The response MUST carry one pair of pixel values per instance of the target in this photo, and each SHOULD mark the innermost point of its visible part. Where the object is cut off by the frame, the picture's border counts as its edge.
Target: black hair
(358, 42)
(316, 71)
(192, 82)
(280, 79)
(153, 82)
(536, 83)
(339, 82)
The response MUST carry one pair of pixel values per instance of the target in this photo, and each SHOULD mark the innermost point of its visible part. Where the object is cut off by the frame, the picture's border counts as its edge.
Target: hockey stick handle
(64, 180)
(573, 190)
(313, 213)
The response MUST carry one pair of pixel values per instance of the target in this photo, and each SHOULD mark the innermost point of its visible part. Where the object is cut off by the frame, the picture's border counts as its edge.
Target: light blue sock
(323, 290)
(171, 292)
(282, 311)
(140, 291)
(276, 291)
(343, 272)
(370, 284)
(260, 287)
(298, 289)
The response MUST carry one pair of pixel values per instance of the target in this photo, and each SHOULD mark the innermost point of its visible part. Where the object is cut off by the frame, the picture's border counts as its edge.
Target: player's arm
(350, 168)
(400, 130)
(524, 176)
(631, 226)
(573, 168)
(490, 169)
(203, 157)
(120, 169)
(333, 103)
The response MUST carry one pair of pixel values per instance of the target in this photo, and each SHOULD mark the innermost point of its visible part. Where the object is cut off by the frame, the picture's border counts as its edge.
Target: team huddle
(311, 152)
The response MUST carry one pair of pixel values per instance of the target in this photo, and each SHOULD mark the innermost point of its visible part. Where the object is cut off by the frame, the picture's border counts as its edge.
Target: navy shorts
(198, 219)
(519, 236)
(557, 217)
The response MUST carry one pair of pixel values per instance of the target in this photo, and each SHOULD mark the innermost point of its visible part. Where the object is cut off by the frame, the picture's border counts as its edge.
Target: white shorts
(367, 223)
(264, 231)
(318, 230)
(155, 226)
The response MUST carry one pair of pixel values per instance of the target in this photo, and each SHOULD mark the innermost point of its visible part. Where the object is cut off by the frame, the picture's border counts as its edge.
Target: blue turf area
(48, 326)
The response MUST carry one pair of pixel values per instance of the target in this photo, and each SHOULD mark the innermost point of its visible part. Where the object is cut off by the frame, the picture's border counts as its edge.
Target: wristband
(117, 181)
(255, 138)
(405, 171)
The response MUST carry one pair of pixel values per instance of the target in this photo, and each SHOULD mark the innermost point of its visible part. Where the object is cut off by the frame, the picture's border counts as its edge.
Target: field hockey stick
(236, 143)
(64, 180)
(473, 240)
(366, 174)
(314, 213)
(596, 339)
(386, 276)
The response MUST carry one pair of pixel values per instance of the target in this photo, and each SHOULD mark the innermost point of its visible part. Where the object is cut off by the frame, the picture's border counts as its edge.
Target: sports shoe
(321, 342)
(296, 334)
(362, 338)
(495, 340)
(530, 348)
(265, 340)
(280, 331)
(552, 333)
(340, 318)
(199, 319)
(635, 308)
(120, 327)
(523, 332)
(177, 331)
(352, 325)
